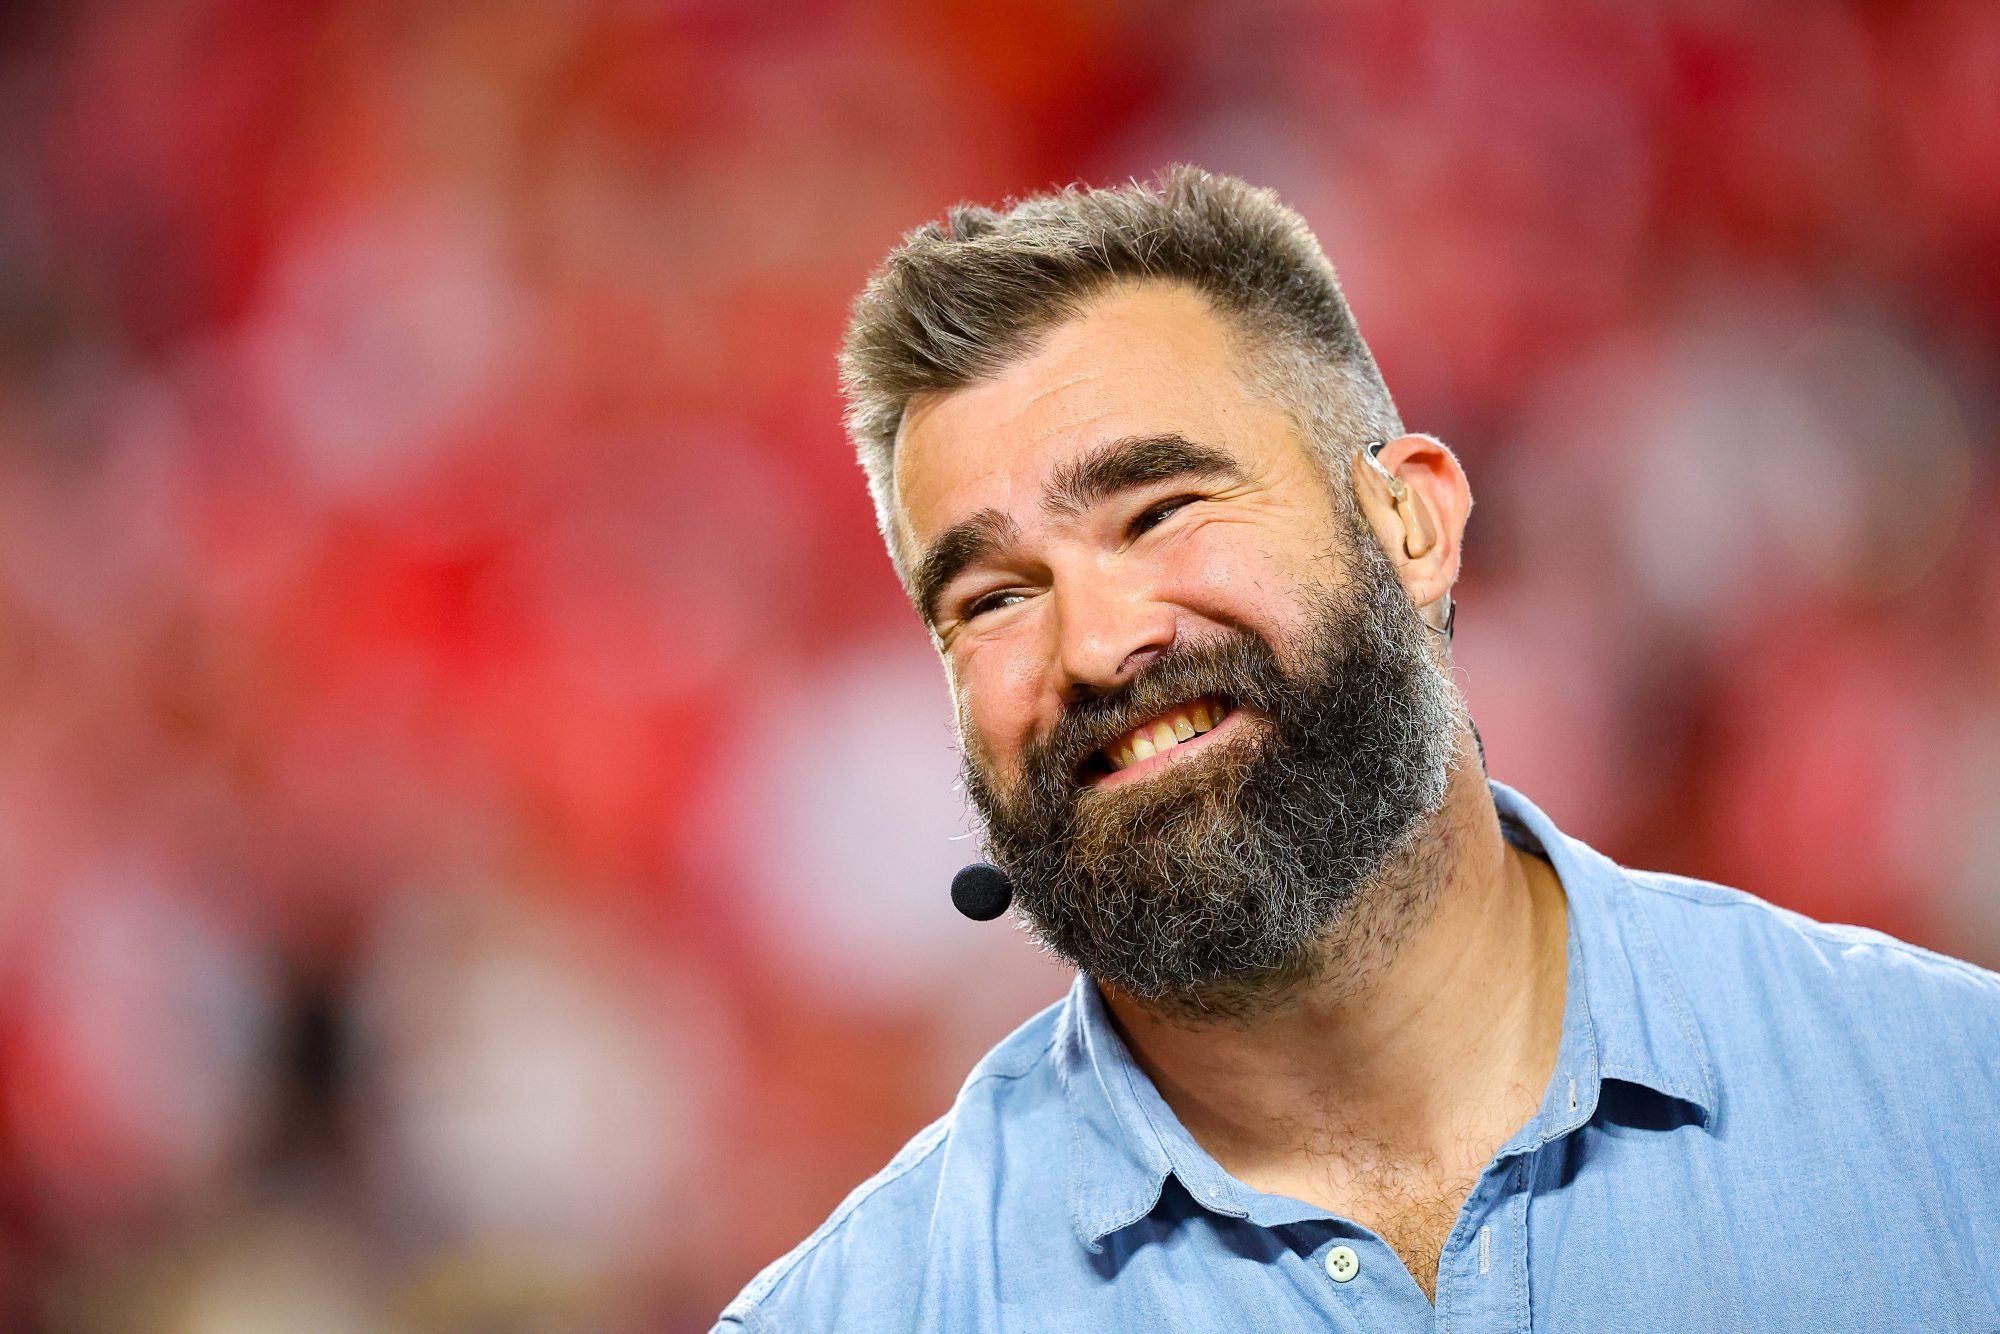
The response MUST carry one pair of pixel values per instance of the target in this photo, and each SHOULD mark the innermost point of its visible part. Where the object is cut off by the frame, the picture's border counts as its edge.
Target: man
(1359, 1039)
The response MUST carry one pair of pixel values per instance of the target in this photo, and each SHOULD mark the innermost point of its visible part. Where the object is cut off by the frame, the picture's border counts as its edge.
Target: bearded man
(1359, 1040)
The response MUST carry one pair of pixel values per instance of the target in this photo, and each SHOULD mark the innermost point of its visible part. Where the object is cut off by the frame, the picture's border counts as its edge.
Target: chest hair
(1412, 1207)
(1415, 1226)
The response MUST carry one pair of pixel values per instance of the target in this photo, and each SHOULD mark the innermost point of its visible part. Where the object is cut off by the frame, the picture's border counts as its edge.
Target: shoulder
(866, 1265)
(1728, 944)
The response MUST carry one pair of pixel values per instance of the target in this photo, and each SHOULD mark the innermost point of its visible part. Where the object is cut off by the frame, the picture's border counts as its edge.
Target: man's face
(1197, 710)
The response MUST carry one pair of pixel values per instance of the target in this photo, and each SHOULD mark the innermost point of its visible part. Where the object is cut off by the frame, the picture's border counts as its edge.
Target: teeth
(1184, 724)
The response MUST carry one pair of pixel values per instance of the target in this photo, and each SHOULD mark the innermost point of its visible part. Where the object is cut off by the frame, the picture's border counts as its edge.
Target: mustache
(1239, 668)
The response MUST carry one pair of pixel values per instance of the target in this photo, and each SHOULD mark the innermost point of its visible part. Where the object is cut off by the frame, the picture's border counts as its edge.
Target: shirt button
(1342, 1264)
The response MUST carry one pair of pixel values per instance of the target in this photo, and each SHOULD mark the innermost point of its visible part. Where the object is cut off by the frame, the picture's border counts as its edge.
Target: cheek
(1236, 574)
(995, 688)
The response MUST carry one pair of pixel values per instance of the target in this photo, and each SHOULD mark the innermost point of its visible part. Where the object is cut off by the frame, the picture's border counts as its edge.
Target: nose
(1106, 631)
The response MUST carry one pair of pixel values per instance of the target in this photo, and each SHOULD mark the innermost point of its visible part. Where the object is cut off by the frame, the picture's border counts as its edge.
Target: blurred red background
(475, 811)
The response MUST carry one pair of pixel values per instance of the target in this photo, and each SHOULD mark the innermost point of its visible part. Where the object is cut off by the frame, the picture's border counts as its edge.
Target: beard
(1214, 888)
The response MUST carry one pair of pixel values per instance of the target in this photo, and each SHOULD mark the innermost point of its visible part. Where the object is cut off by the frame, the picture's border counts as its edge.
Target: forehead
(1137, 361)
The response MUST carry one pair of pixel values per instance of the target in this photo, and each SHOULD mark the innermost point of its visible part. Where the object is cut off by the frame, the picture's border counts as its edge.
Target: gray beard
(1286, 854)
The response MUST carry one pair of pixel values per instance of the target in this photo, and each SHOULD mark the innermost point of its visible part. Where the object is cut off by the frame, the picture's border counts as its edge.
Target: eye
(1158, 513)
(994, 601)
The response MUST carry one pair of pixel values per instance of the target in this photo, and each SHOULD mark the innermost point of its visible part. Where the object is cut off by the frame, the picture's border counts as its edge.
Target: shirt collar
(1625, 1017)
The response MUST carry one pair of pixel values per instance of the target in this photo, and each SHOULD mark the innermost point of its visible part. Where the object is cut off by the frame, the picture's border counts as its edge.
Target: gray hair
(962, 298)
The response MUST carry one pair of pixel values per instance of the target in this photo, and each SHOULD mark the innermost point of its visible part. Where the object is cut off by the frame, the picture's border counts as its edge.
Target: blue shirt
(1756, 1122)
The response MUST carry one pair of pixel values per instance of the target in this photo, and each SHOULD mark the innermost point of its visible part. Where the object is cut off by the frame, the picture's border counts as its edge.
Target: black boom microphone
(981, 891)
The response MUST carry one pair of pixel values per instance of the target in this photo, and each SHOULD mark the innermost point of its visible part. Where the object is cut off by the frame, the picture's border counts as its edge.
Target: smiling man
(1359, 1040)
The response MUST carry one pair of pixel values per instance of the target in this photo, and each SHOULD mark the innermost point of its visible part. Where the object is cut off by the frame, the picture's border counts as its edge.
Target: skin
(1381, 1090)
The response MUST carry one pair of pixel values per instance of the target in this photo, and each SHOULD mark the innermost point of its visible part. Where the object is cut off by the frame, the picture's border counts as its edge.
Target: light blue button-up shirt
(1756, 1122)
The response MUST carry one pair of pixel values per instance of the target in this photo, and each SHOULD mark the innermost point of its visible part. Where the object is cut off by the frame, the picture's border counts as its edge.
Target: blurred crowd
(475, 812)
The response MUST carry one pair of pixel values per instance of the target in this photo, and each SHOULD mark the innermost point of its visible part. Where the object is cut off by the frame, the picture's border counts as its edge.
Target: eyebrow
(1116, 466)
(964, 544)
(1134, 461)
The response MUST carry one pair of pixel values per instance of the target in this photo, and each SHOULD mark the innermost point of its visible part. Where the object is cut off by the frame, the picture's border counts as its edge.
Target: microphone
(981, 891)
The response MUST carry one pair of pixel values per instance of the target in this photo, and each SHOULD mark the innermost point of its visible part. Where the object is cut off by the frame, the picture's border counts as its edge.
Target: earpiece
(1417, 536)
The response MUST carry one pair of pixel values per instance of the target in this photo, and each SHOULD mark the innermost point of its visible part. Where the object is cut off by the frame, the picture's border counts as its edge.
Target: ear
(1419, 518)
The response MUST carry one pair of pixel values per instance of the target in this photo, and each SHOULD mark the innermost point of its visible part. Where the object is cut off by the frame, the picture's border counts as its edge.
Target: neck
(1435, 1017)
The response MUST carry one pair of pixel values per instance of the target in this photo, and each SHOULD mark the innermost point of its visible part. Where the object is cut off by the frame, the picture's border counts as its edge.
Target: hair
(962, 298)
